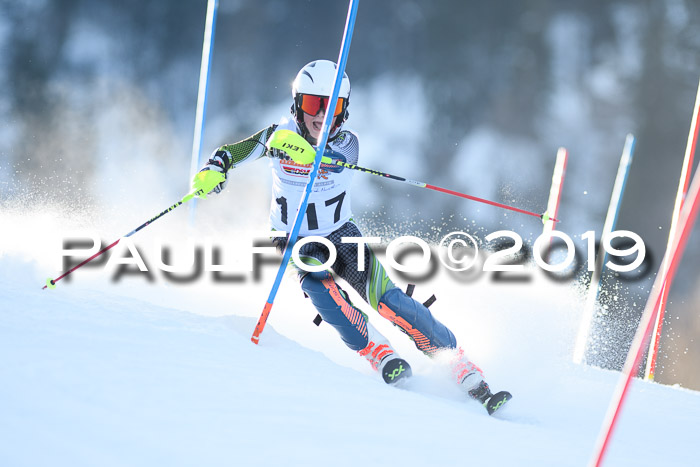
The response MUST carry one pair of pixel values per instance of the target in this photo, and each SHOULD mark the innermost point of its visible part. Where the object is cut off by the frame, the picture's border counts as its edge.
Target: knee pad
(415, 319)
(336, 310)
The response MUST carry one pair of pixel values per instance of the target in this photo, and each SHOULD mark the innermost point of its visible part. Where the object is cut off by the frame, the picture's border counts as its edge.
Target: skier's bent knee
(414, 318)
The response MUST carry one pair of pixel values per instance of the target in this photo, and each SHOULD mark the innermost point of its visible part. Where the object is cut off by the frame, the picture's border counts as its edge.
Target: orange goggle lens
(312, 105)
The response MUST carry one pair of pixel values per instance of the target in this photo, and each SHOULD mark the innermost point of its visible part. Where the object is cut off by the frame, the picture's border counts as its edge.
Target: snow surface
(98, 372)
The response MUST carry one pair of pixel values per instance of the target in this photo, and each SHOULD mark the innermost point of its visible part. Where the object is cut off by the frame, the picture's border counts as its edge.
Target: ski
(491, 402)
(396, 371)
(497, 401)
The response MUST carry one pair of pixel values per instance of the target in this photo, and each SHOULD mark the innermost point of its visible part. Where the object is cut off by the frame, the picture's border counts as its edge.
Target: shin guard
(336, 310)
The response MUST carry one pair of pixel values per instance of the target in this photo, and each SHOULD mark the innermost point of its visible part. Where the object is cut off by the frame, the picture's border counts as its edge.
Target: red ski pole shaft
(544, 217)
(486, 201)
(51, 283)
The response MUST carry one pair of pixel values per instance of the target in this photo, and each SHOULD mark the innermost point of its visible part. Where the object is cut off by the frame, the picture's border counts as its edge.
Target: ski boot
(471, 379)
(383, 358)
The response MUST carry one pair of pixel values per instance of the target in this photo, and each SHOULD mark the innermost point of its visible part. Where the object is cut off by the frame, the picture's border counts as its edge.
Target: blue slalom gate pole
(205, 69)
(342, 60)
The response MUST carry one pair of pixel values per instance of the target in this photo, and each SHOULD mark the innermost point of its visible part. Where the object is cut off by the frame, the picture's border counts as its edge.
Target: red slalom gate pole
(634, 357)
(680, 199)
(556, 188)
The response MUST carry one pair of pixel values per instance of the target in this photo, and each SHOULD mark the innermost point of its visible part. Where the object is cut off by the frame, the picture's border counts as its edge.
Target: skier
(329, 215)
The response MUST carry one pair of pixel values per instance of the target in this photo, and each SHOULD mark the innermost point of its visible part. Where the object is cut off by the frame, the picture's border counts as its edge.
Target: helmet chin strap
(301, 126)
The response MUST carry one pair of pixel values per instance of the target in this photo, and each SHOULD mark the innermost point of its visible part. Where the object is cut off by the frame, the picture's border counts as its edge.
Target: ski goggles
(312, 105)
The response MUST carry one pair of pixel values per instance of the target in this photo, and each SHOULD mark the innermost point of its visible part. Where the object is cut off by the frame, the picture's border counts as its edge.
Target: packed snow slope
(132, 372)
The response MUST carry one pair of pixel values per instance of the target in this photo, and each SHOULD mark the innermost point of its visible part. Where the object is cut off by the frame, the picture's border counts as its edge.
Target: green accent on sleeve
(242, 150)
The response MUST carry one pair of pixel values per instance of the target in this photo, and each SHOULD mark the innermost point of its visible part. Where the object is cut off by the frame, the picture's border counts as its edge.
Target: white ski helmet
(316, 79)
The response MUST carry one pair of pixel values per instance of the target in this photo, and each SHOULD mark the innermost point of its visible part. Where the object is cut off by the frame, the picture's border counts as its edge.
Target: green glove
(207, 181)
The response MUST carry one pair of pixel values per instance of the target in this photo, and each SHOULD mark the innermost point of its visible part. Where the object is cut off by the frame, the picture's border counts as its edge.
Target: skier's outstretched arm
(229, 156)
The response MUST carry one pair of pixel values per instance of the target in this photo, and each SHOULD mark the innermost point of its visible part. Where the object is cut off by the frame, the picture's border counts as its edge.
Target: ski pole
(544, 217)
(292, 143)
(51, 283)
(322, 140)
